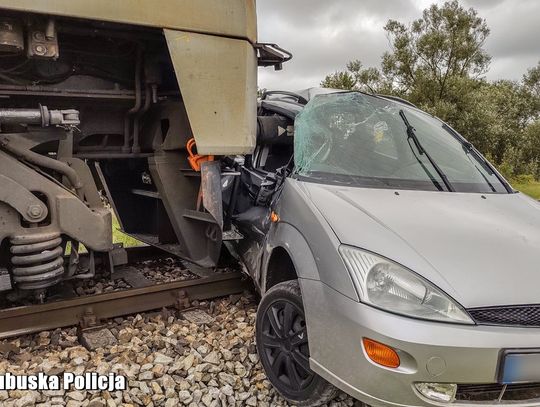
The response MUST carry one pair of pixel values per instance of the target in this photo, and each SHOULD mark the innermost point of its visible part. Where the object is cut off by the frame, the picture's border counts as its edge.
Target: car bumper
(431, 352)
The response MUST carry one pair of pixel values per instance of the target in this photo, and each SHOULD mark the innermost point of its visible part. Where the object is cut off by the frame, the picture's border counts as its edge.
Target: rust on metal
(88, 319)
(182, 300)
(35, 318)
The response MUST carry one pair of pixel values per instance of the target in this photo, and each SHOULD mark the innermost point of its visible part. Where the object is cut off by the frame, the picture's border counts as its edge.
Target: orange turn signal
(274, 217)
(381, 354)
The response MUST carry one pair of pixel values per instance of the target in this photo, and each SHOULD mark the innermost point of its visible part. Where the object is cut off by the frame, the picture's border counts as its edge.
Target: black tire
(283, 348)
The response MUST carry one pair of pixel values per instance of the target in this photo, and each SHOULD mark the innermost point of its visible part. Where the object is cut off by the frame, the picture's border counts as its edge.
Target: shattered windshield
(357, 139)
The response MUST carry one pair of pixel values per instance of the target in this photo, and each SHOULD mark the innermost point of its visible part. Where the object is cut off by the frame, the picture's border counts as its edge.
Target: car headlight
(391, 287)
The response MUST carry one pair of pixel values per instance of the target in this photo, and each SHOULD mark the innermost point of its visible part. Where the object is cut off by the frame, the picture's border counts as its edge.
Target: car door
(260, 177)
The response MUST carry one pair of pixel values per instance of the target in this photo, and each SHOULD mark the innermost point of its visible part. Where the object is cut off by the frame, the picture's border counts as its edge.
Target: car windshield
(357, 139)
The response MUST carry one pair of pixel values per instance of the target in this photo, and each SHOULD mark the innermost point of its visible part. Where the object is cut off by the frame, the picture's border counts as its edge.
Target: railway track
(91, 310)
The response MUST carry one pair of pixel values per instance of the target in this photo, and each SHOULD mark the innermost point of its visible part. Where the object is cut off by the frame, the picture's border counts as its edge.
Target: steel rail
(36, 318)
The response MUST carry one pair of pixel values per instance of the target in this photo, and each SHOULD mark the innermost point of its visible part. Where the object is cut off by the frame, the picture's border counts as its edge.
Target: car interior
(247, 194)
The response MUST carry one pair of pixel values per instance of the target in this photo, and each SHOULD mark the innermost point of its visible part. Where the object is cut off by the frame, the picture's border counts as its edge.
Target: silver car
(394, 262)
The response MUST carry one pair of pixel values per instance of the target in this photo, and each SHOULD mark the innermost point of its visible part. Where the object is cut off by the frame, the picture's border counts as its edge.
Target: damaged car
(394, 262)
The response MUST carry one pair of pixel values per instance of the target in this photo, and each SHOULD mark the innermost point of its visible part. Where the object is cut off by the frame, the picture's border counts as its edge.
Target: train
(125, 109)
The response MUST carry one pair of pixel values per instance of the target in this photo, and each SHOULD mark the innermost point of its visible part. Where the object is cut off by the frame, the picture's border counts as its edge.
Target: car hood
(483, 250)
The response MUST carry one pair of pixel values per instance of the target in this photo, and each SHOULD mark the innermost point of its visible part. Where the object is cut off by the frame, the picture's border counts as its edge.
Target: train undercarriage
(93, 123)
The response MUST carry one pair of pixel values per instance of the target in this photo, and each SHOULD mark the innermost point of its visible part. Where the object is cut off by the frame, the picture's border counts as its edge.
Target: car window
(364, 140)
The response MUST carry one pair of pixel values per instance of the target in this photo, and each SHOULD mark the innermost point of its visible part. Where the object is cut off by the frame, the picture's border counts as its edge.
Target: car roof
(289, 104)
(310, 93)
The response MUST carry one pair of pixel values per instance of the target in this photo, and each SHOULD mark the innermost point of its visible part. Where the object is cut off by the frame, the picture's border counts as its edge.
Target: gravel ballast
(205, 356)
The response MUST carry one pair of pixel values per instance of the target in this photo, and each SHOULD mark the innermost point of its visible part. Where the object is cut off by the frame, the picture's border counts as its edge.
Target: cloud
(514, 30)
(324, 35)
(484, 4)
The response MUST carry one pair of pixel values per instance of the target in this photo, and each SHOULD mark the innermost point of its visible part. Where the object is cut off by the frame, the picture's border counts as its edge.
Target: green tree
(340, 80)
(497, 118)
(531, 82)
(530, 151)
(436, 51)
(356, 77)
(434, 61)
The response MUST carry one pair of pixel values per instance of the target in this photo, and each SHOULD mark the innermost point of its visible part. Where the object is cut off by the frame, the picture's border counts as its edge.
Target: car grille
(495, 392)
(519, 315)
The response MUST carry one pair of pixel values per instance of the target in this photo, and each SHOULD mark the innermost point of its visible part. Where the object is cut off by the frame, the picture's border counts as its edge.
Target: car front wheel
(283, 348)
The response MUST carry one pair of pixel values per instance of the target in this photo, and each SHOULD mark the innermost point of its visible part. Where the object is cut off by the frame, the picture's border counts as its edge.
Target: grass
(119, 237)
(530, 188)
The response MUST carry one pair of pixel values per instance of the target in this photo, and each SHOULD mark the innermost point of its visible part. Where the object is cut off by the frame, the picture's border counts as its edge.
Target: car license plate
(520, 368)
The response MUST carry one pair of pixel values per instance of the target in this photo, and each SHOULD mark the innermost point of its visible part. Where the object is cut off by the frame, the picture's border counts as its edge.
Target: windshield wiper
(411, 134)
(469, 150)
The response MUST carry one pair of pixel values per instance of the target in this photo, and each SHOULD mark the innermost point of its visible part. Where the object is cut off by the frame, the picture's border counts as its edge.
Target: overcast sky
(324, 34)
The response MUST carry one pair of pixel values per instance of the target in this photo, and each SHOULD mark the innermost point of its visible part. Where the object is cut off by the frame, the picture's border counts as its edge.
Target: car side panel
(307, 237)
(286, 236)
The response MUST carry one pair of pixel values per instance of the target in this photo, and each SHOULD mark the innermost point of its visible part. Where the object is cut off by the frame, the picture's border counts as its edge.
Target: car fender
(306, 236)
(286, 236)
